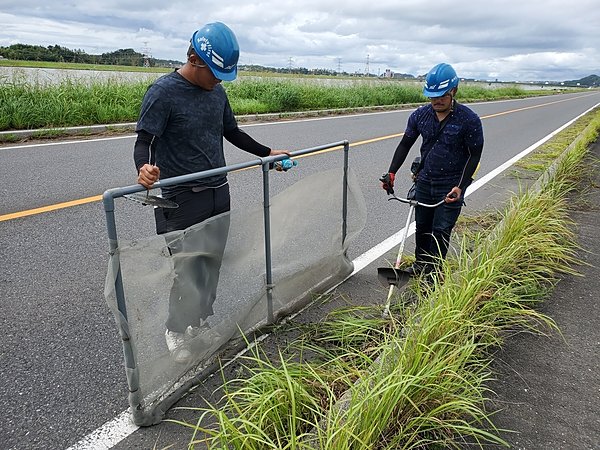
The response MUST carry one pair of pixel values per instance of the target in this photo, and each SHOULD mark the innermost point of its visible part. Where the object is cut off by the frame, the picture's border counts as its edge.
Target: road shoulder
(547, 388)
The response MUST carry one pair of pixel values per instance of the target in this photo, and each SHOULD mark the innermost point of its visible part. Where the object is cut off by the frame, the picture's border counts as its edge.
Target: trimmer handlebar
(415, 202)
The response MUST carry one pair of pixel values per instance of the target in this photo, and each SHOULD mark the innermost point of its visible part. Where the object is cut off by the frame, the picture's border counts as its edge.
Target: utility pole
(367, 67)
(146, 54)
(339, 66)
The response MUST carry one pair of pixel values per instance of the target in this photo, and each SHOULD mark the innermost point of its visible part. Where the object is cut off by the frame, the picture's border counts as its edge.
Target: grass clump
(541, 159)
(26, 106)
(249, 96)
(470, 92)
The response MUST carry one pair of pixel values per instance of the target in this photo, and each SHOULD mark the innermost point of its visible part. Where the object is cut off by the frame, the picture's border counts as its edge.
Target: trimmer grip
(388, 183)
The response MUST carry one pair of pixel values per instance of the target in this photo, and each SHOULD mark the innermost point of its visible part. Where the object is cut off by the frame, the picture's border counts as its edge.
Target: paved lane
(60, 358)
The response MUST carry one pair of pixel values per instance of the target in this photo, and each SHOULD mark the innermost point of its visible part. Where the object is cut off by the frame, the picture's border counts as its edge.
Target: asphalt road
(61, 364)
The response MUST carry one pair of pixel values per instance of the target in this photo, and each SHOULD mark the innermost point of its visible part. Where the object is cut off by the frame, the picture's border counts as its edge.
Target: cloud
(508, 40)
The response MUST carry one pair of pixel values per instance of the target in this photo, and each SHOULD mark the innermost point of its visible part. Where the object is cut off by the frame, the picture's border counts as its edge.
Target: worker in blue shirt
(450, 153)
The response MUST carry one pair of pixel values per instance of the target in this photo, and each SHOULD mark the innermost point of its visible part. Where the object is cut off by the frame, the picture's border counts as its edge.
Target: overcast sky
(507, 40)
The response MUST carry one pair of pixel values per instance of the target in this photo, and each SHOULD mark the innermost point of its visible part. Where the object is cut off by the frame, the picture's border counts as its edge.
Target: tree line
(292, 70)
(125, 57)
(56, 53)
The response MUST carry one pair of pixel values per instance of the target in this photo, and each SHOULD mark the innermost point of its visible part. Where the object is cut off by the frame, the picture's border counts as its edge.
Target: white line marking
(114, 431)
(81, 141)
(109, 434)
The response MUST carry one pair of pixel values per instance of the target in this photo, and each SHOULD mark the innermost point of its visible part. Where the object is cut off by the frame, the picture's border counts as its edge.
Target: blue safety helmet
(440, 80)
(218, 47)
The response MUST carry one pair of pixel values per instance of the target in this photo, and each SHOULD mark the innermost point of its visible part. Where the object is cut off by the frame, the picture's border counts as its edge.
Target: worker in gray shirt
(183, 119)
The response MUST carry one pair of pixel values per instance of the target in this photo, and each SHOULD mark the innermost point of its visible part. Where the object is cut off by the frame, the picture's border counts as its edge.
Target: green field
(79, 66)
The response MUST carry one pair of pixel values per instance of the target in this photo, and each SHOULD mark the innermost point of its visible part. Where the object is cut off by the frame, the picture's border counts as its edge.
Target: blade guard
(389, 276)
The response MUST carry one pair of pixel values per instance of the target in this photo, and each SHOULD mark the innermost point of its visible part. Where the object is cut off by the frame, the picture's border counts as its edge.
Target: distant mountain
(589, 81)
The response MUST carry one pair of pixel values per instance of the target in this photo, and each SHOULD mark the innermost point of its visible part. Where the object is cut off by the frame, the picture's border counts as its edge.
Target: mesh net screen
(212, 276)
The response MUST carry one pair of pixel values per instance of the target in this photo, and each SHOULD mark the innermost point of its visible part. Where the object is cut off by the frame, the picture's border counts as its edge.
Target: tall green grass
(417, 380)
(469, 92)
(257, 96)
(30, 105)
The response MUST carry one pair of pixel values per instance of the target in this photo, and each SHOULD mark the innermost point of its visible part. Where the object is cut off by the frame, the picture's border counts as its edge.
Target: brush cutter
(394, 276)
(152, 200)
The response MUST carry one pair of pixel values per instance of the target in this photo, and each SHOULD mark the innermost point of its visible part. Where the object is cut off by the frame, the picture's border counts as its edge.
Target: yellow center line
(510, 111)
(45, 209)
(96, 198)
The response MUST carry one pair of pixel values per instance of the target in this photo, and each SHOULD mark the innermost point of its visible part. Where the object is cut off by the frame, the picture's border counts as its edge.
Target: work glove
(387, 182)
(284, 165)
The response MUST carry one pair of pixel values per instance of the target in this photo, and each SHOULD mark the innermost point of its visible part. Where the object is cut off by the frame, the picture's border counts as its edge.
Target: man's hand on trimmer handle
(148, 175)
(387, 182)
(453, 195)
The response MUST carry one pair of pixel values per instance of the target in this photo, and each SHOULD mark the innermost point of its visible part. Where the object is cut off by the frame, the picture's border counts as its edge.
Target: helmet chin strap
(197, 65)
(452, 102)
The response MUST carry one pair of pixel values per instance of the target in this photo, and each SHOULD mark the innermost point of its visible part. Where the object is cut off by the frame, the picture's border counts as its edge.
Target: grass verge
(417, 380)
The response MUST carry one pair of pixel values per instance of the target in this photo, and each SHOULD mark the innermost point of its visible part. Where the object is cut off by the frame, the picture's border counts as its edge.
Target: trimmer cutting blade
(151, 200)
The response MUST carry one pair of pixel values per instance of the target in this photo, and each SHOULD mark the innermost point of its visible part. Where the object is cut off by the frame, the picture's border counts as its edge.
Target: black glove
(387, 182)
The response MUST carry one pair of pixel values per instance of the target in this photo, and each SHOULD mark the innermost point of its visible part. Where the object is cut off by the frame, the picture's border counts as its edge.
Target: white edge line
(80, 141)
(109, 434)
(114, 431)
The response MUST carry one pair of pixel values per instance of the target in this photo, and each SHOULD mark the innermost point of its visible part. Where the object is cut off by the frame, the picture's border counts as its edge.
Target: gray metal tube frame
(132, 371)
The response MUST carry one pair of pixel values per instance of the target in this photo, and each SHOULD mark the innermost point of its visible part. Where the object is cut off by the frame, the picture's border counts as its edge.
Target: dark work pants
(434, 225)
(191, 300)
